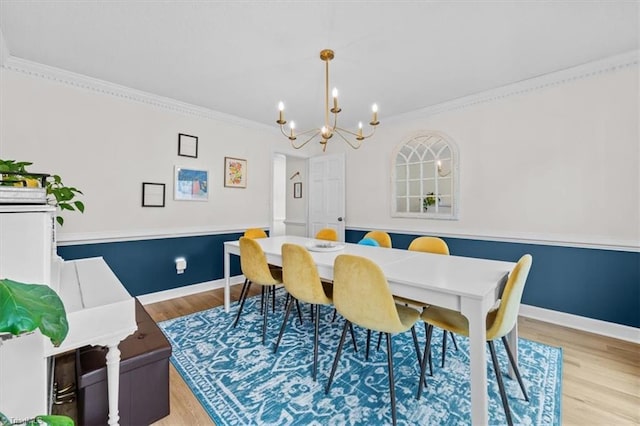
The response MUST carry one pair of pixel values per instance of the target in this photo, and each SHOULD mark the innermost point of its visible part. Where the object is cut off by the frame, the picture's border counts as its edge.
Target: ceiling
(242, 57)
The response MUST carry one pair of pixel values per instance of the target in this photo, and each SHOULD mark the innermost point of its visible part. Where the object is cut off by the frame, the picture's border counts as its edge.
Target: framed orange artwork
(235, 172)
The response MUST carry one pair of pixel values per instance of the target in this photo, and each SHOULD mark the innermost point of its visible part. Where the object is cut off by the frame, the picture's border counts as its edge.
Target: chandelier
(327, 131)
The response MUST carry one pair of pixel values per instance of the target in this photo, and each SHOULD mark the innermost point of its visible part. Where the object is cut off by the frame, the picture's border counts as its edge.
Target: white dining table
(468, 285)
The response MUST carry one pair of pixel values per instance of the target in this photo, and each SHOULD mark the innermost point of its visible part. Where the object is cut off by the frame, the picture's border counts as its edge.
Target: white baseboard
(174, 293)
(604, 328)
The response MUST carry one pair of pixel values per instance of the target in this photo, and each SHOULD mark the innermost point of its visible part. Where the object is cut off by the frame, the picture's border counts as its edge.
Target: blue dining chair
(368, 242)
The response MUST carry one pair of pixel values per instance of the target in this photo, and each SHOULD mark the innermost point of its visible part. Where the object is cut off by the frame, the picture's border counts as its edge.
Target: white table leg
(476, 314)
(512, 339)
(113, 382)
(227, 272)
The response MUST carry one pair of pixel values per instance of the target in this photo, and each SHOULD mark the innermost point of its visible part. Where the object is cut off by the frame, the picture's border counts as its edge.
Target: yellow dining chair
(301, 280)
(255, 268)
(437, 246)
(255, 233)
(499, 323)
(362, 296)
(249, 233)
(328, 234)
(383, 239)
(430, 245)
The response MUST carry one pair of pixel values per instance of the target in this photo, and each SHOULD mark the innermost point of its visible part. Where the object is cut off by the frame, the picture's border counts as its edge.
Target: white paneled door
(327, 194)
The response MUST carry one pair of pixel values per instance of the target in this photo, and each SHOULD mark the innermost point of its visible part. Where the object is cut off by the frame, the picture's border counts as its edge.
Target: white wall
(297, 207)
(107, 146)
(279, 194)
(555, 164)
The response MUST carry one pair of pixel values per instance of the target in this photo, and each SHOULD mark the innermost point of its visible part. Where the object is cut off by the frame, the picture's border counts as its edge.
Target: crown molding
(79, 81)
(603, 66)
(34, 69)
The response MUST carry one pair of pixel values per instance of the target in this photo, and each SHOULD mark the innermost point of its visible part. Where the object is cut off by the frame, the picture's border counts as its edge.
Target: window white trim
(424, 138)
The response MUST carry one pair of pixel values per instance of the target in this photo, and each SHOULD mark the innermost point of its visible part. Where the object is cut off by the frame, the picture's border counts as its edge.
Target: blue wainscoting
(592, 283)
(148, 266)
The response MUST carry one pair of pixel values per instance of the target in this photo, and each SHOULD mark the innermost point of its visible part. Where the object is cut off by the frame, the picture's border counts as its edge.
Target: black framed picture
(153, 194)
(187, 145)
(297, 190)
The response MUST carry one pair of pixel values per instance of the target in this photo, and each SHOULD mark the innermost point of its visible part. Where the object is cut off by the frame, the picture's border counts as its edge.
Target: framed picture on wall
(235, 172)
(187, 145)
(297, 190)
(153, 194)
(191, 184)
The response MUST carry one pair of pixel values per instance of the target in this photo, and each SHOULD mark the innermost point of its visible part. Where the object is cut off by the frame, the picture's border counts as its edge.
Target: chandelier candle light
(327, 131)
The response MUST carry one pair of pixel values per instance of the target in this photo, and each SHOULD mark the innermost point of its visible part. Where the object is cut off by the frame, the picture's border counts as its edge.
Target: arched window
(425, 177)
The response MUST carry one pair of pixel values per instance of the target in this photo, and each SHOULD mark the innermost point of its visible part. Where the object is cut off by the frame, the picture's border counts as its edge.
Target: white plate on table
(324, 246)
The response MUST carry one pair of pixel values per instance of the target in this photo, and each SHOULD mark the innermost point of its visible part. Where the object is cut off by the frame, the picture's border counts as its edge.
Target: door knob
(340, 219)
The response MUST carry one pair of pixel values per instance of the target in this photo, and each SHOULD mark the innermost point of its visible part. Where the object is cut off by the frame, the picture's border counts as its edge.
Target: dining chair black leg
(264, 318)
(347, 325)
(366, 352)
(379, 340)
(503, 394)
(244, 288)
(353, 337)
(262, 300)
(299, 311)
(415, 343)
(417, 347)
(444, 346)
(392, 387)
(311, 310)
(425, 357)
(335, 314)
(515, 367)
(426, 331)
(244, 297)
(273, 297)
(315, 343)
(284, 323)
(453, 339)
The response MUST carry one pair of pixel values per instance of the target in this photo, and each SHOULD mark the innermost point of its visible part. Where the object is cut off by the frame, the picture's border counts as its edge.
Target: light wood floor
(601, 376)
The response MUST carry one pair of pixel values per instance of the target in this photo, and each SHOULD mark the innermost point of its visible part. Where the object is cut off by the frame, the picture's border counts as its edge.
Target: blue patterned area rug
(239, 381)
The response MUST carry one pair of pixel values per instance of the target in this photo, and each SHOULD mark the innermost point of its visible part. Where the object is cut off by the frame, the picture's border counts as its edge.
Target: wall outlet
(181, 265)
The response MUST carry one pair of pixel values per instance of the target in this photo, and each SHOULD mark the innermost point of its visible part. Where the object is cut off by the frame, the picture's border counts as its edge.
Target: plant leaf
(65, 206)
(25, 307)
(60, 220)
(4, 420)
(56, 420)
(79, 205)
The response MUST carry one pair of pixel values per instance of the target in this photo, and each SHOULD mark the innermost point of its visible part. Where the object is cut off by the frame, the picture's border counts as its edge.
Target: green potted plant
(15, 173)
(429, 200)
(23, 308)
